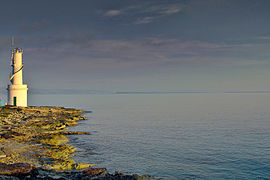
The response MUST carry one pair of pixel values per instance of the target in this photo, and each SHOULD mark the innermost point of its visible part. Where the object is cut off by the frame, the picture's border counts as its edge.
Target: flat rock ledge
(37, 136)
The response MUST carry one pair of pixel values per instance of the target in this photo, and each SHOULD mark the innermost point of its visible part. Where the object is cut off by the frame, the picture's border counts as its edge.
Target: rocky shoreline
(33, 145)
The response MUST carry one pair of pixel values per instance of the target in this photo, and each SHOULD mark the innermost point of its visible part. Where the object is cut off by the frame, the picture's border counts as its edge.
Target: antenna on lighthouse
(12, 50)
(12, 42)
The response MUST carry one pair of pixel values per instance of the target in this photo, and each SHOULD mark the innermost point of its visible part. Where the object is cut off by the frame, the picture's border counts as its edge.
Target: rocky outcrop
(15, 169)
(33, 145)
(95, 171)
(37, 135)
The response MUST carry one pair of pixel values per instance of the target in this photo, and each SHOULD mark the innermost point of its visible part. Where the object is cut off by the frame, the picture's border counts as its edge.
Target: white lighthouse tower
(17, 91)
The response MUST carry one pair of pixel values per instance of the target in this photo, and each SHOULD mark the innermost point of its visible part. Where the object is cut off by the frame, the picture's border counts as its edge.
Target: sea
(172, 135)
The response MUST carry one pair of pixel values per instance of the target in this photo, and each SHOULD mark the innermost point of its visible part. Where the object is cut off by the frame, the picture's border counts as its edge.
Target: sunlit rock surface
(37, 136)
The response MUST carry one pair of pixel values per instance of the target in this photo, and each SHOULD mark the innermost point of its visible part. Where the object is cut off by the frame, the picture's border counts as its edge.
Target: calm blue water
(173, 136)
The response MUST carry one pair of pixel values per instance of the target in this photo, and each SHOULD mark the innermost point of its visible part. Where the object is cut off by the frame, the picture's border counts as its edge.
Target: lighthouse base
(17, 95)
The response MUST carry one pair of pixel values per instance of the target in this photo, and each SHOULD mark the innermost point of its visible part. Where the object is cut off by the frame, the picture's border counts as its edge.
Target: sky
(138, 45)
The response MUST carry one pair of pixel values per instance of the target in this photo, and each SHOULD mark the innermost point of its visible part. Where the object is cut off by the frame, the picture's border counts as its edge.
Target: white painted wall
(18, 79)
(18, 91)
(17, 88)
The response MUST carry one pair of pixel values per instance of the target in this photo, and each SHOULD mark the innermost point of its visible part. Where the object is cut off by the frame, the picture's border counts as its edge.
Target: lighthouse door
(15, 101)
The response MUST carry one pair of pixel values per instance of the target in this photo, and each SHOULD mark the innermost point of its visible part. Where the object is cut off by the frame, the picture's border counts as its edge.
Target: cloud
(157, 11)
(147, 12)
(144, 20)
(172, 9)
(102, 54)
(80, 51)
(67, 57)
(112, 13)
(87, 51)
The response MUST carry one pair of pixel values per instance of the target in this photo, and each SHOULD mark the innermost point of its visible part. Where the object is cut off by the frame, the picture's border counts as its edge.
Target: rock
(15, 169)
(143, 177)
(95, 171)
(2, 152)
(76, 133)
(2, 177)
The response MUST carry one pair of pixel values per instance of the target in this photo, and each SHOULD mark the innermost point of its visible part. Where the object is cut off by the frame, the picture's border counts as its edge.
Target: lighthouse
(17, 91)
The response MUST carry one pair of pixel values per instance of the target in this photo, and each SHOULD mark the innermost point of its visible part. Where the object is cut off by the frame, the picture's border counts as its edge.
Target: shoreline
(33, 141)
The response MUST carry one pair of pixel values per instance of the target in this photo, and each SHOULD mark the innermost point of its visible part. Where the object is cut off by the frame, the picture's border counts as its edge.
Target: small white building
(17, 91)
